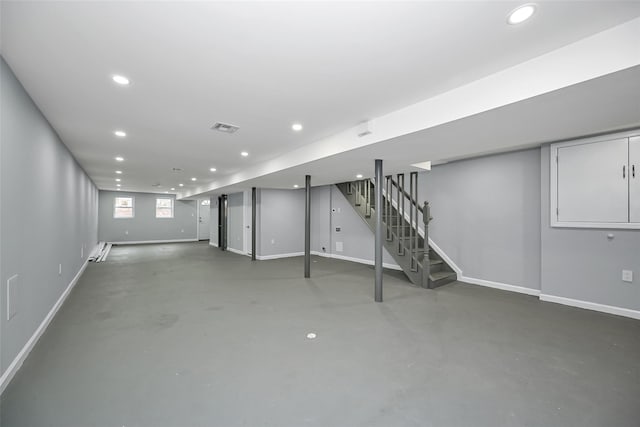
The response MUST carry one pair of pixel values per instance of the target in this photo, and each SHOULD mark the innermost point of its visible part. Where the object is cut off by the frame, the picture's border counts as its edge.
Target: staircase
(405, 227)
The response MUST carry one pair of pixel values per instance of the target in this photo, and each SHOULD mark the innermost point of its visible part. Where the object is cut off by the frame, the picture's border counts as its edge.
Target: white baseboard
(215, 245)
(145, 242)
(276, 256)
(358, 260)
(13, 368)
(237, 251)
(619, 311)
(498, 285)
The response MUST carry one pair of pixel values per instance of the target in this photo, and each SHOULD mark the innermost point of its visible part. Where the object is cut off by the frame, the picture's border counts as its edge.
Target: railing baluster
(368, 194)
(411, 231)
(388, 207)
(414, 204)
(401, 247)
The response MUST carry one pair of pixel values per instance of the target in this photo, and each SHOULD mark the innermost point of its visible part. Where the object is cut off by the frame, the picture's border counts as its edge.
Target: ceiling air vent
(224, 127)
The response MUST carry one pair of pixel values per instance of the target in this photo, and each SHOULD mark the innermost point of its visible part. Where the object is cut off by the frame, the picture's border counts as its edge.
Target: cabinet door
(634, 179)
(593, 182)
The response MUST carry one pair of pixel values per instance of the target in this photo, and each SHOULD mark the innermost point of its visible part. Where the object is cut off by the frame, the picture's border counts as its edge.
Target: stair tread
(441, 275)
(435, 261)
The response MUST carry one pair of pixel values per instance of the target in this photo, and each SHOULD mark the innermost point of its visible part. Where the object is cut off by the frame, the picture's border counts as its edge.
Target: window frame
(173, 207)
(133, 205)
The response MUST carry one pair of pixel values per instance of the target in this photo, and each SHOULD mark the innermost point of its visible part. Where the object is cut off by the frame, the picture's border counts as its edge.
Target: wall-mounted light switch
(12, 296)
(627, 276)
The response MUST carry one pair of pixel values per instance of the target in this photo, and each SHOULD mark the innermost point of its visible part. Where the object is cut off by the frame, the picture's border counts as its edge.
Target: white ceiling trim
(604, 53)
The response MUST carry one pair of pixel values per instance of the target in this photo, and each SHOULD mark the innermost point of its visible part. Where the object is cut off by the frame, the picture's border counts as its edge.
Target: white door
(593, 182)
(204, 214)
(634, 179)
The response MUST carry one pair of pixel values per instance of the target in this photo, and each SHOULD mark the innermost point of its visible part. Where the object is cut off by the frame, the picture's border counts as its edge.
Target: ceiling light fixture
(297, 127)
(120, 133)
(181, 185)
(359, 176)
(119, 172)
(213, 169)
(119, 159)
(121, 80)
(117, 185)
(118, 180)
(521, 14)
(296, 186)
(244, 154)
(194, 178)
(173, 189)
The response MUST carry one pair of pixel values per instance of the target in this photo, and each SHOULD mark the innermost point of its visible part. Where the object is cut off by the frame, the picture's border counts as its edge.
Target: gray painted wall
(145, 226)
(280, 222)
(486, 215)
(235, 236)
(48, 215)
(584, 264)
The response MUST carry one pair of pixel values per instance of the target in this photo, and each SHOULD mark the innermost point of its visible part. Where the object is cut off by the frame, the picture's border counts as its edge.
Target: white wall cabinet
(595, 182)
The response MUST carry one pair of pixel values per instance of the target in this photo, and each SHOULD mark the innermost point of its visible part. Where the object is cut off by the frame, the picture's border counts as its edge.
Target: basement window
(123, 207)
(164, 208)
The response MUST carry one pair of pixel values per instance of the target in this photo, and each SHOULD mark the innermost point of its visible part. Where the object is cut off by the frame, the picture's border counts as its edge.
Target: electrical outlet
(627, 276)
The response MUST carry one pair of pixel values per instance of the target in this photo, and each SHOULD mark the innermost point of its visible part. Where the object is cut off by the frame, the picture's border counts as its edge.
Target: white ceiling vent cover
(225, 127)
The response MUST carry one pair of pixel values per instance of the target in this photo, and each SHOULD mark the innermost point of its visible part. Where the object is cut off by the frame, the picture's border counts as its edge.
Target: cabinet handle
(624, 175)
(633, 171)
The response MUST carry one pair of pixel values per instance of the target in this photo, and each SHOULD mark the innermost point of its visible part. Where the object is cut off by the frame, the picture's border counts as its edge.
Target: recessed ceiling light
(521, 14)
(181, 185)
(120, 133)
(311, 335)
(118, 172)
(194, 178)
(118, 180)
(117, 185)
(244, 154)
(296, 186)
(166, 192)
(121, 80)
(359, 176)
(213, 169)
(297, 127)
(119, 159)
(118, 189)
(173, 189)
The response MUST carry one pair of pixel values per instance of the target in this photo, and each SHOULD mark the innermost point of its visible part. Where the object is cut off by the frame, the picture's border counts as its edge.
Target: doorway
(204, 214)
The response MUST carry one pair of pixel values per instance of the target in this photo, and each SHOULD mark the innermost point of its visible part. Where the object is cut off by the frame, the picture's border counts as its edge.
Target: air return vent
(224, 127)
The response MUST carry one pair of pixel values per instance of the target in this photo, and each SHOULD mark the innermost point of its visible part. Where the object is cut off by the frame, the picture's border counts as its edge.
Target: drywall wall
(235, 222)
(584, 264)
(280, 222)
(486, 215)
(48, 216)
(144, 226)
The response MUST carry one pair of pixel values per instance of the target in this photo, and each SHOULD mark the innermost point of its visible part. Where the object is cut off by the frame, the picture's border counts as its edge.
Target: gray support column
(378, 252)
(307, 226)
(253, 223)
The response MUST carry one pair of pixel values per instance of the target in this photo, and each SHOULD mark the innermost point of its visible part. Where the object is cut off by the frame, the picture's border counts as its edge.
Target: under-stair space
(405, 227)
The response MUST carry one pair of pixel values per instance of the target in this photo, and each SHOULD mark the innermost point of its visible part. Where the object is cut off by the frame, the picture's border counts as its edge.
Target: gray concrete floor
(185, 335)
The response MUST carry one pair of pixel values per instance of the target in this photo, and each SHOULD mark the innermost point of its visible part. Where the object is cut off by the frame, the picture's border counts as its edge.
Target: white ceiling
(263, 66)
